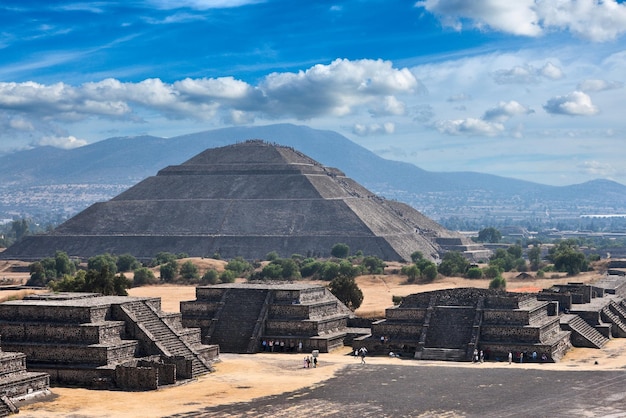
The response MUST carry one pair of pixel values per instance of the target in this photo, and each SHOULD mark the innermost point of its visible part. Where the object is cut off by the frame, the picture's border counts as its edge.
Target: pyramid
(246, 199)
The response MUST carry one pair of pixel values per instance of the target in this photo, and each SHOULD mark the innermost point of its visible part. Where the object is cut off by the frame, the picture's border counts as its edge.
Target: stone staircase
(237, 320)
(584, 331)
(618, 329)
(450, 327)
(443, 354)
(618, 309)
(164, 337)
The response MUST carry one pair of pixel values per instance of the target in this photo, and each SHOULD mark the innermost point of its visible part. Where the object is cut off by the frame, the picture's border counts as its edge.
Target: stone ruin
(103, 342)
(247, 200)
(17, 384)
(239, 317)
(450, 324)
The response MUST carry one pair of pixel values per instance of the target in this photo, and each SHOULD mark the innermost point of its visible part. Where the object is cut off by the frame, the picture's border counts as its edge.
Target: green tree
(164, 257)
(189, 271)
(417, 256)
(347, 291)
(63, 264)
(227, 276)
(474, 273)
(429, 273)
(271, 256)
(534, 257)
(340, 250)
(211, 276)
(100, 261)
(329, 270)
(127, 262)
(143, 276)
(169, 270)
(453, 264)
(310, 267)
(239, 266)
(374, 265)
(567, 257)
(498, 283)
(411, 271)
(19, 229)
(489, 234)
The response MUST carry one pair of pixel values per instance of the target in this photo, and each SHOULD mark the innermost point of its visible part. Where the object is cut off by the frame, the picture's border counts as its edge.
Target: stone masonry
(239, 317)
(104, 341)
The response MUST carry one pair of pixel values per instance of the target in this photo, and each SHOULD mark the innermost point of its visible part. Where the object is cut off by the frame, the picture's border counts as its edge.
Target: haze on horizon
(531, 89)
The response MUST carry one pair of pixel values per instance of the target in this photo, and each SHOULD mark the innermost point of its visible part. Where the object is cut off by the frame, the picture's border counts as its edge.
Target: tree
(498, 283)
(98, 262)
(567, 257)
(210, 276)
(164, 257)
(340, 250)
(489, 234)
(474, 273)
(63, 264)
(19, 229)
(534, 257)
(411, 271)
(429, 273)
(347, 291)
(169, 271)
(227, 276)
(189, 271)
(373, 264)
(453, 264)
(143, 276)
(127, 262)
(271, 256)
(416, 256)
(239, 266)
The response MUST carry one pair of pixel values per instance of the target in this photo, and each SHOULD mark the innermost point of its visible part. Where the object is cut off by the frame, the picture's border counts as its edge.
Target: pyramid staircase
(618, 328)
(164, 337)
(585, 332)
(237, 326)
(449, 332)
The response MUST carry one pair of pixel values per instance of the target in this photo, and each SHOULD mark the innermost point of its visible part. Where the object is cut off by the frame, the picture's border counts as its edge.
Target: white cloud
(20, 124)
(527, 74)
(576, 103)
(201, 4)
(469, 126)
(593, 85)
(596, 168)
(595, 20)
(461, 97)
(68, 142)
(506, 110)
(373, 129)
(517, 17)
(340, 88)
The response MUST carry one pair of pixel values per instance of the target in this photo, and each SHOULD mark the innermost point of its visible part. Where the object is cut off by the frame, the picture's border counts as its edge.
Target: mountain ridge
(124, 161)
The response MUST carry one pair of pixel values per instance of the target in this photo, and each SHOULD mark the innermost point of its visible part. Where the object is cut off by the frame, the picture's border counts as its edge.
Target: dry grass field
(242, 378)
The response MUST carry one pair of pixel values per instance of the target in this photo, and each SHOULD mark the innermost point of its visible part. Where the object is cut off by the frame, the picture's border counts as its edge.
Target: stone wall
(136, 378)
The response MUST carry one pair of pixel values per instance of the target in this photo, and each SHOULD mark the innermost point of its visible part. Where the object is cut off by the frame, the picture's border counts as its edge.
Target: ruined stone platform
(240, 316)
(104, 341)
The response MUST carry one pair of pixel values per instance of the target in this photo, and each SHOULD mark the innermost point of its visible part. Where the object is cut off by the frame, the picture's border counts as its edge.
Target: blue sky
(530, 89)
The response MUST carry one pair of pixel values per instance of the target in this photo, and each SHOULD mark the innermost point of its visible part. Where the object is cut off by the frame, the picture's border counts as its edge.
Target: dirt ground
(242, 378)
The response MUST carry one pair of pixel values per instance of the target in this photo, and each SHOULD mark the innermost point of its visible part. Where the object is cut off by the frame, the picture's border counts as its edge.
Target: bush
(169, 271)
(227, 276)
(143, 276)
(189, 271)
(498, 283)
(396, 300)
(474, 273)
(211, 276)
(127, 262)
(340, 250)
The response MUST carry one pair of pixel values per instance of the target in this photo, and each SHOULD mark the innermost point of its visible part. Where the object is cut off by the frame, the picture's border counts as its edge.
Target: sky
(528, 89)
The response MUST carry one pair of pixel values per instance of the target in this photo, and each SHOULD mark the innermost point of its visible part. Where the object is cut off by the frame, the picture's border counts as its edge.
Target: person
(481, 356)
(264, 345)
(521, 357)
(314, 362)
(299, 346)
(363, 351)
(308, 362)
(510, 357)
(304, 363)
(475, 356)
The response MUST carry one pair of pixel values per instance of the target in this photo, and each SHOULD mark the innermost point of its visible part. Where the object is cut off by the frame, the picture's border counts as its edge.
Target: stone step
(586, 331)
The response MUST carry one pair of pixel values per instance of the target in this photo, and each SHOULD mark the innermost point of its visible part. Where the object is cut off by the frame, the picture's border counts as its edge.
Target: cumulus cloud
(594, 20)
(506, 110)
(67, 142)
(576, 103)
(469, 126)
(527, 74)
(593, 85)
(373, 129)
(597, 168)
(340, 88)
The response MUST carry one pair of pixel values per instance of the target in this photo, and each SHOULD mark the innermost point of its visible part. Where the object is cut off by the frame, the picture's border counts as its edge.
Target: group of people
(280, 346)
(534, 357)
(308, 360)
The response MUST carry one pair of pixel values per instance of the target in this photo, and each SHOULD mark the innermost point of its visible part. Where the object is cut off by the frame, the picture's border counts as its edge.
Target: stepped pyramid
(246, 199)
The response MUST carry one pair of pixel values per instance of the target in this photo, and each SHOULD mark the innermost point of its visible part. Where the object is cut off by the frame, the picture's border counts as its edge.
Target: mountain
(51, 180)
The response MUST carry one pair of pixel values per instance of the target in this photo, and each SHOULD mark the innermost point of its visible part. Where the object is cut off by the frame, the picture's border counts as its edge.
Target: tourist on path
(510, 357)
(363, 351)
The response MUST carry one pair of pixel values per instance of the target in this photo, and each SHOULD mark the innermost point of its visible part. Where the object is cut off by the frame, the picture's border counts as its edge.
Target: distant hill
(111, 165)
